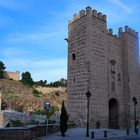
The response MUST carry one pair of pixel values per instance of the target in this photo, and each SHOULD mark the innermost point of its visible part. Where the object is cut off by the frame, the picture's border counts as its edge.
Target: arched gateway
(113, 114)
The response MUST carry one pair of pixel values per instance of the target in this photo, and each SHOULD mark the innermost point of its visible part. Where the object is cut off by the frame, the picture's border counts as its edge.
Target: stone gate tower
(105, 64)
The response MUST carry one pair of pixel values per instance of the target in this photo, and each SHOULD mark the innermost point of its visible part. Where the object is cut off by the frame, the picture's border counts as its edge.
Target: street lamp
(135, 103)
(88, 94)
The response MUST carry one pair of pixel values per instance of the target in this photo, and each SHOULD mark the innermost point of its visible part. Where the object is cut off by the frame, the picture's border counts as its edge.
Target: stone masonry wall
(105, 64)
(12, 75)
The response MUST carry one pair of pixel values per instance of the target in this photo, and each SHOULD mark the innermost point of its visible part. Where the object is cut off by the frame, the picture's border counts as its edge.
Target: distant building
(105, 64)
(12, 75)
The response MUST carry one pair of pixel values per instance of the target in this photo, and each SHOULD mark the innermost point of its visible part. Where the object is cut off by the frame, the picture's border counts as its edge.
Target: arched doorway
(113, 114)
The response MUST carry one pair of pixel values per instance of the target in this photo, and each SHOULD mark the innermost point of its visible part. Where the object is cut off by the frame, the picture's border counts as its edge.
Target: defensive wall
(29, 132)
(12, 75)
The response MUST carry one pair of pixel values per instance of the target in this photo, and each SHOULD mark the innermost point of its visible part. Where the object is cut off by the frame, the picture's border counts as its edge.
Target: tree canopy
(61, 83)
(41, 83)
(26, 78)
(2, 68)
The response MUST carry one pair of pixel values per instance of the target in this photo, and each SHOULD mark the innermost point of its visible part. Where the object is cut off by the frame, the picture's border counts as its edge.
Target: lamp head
(88, 94)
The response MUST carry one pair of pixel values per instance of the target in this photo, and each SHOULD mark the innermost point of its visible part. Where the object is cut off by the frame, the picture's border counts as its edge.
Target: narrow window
(119, 77)
(73, 56)
(74, 79)
(113, 86)
(113, 62)
(112, 81)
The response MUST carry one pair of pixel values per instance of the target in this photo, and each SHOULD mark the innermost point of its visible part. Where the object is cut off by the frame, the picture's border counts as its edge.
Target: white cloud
(122, 5)
(12, 4)
(14, 52)
(37, 63)
(34, 37)
(49, 75)
(50, 70)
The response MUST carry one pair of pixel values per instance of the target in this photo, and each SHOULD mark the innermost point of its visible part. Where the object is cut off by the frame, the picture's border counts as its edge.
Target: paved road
(124, 138)
(79, 134)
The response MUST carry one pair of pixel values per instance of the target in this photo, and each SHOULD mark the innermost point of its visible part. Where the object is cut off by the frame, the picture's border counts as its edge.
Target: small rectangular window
(113, 86)
(119, 77)
(73, 56)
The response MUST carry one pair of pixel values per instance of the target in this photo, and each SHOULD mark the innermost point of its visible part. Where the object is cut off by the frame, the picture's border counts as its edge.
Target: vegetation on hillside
(41, 83)
(27, 79)
(2, 68)
(29, 96)
(37, 93)
(61, 83)
(49, 112)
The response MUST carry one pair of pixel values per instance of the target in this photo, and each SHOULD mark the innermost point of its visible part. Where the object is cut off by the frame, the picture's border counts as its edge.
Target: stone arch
(113, 114)
(7, 124)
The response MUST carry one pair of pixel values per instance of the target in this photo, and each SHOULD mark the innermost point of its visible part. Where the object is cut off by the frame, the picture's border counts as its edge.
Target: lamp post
(88, 94)
(135, 103)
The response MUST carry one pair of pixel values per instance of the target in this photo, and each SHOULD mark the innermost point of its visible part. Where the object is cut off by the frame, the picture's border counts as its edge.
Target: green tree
(26, 78)
(41, 83)
(2, 68)
(62, 83)
(63, 120)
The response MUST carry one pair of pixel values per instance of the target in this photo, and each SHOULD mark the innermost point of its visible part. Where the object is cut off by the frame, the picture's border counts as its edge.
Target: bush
(34, 122)
(51, 121)
(16, 123)
(37, 93)
(19, 108)
(61, 83)
(49, 112)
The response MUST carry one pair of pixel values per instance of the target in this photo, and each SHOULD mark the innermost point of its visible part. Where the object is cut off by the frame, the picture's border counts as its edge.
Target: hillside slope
(19, 97)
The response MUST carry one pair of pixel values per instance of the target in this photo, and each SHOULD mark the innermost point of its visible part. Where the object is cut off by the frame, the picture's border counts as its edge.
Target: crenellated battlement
(93, 13)
(121, 31)
(110, 32)
(88, 12)
(127, 30)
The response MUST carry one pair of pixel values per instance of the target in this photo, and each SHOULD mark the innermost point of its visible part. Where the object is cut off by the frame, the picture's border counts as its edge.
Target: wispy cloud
(12, 4)
(49, 75)
(34, 37)
(50, 70)
(37, 63)
(122, 5)
(11, 52)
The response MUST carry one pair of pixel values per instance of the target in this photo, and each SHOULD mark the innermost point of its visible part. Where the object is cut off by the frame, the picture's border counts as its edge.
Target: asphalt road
(124, 138)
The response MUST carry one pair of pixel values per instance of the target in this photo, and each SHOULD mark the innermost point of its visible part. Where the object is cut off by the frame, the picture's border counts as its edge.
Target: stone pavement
(80, 134)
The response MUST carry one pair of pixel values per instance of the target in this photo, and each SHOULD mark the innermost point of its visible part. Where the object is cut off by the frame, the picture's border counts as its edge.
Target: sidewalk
(80, 134)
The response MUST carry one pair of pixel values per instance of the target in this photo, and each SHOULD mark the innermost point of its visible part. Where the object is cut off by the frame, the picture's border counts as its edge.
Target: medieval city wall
(12, 75)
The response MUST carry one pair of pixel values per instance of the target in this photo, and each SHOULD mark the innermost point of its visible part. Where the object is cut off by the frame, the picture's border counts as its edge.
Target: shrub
(16, 123)
(37, 93)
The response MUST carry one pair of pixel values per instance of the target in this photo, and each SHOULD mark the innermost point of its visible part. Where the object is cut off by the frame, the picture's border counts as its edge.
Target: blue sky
(32, 32)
